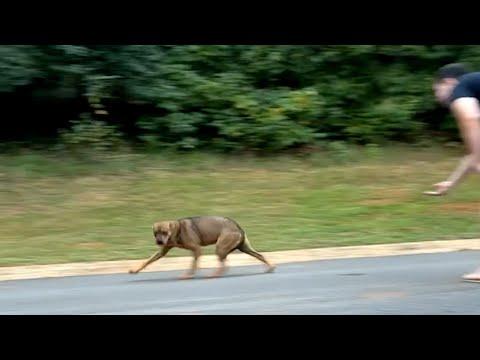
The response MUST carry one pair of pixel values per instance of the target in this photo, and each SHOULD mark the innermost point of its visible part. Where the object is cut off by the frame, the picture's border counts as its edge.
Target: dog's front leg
(193, 269)
(158, 255)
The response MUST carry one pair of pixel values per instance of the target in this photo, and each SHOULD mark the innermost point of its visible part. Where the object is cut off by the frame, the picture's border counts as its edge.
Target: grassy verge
(57, 210)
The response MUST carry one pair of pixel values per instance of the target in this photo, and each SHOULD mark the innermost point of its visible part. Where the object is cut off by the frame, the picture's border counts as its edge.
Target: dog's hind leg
(226, 243)
(246, 248)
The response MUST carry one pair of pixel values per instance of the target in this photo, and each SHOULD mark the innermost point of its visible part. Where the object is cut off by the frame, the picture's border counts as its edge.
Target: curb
(210, 261)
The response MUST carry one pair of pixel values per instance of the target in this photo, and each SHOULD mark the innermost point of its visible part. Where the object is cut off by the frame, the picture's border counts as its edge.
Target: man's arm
(467, 114)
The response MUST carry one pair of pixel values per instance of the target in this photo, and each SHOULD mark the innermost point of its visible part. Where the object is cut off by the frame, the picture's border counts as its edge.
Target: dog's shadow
(203, 277)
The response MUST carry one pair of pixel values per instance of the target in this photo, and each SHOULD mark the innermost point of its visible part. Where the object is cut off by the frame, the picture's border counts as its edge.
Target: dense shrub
(232, 97)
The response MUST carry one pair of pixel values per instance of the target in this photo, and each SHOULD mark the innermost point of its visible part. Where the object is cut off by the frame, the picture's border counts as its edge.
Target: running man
(459, 90)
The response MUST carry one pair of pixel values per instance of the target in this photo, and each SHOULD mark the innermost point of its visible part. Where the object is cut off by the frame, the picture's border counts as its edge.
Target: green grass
(55, 209)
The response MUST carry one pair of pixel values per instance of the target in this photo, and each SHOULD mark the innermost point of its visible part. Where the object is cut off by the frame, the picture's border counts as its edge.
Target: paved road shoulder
(277, 257)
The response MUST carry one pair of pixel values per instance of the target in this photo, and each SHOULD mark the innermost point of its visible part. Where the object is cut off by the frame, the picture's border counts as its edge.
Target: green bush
(90, 138)
(240, 97)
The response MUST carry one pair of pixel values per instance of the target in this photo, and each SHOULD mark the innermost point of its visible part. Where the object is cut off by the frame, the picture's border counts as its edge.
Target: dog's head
(163, 231)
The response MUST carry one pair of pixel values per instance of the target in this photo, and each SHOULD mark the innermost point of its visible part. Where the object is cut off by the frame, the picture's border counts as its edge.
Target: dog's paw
(271, 269)
(216, 274)
(132, 272)
(185, 277)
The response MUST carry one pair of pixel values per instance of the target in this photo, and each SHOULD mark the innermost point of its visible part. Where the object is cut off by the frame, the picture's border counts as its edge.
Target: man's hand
(441, 188)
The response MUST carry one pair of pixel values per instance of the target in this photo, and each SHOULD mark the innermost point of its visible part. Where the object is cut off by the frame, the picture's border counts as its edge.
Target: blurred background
(305, 146)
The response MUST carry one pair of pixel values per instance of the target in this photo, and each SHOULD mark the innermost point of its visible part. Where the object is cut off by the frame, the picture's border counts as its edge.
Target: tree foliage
(229, 97)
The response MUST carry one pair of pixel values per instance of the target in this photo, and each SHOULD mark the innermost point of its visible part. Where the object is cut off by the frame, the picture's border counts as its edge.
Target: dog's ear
(174, 227)
(155, 228)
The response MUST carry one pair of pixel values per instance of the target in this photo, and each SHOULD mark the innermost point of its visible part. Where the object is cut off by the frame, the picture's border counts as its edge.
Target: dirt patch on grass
(91, 197)
(12, 211)
(90, 245)
(465, 207)
(378, 202)
(386, 197)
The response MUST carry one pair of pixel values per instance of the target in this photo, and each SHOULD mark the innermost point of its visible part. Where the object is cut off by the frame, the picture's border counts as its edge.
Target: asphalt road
(413, 284)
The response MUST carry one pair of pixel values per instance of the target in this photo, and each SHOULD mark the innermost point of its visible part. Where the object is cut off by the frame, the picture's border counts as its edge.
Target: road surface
(411, 284)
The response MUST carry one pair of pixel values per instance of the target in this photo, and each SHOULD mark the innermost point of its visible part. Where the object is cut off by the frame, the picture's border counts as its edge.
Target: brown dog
(194, 232)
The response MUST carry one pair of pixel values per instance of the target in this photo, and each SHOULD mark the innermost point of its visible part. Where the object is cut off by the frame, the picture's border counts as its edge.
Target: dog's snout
(161, 240)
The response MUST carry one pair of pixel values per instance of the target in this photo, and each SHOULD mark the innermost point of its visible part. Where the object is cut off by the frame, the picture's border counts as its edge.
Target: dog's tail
(247, 248)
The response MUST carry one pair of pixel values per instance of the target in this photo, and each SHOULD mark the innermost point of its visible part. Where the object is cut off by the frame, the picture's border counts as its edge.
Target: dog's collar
(196, 230)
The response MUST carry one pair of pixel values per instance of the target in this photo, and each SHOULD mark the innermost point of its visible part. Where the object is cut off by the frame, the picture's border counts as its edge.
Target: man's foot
(472, 277)
(434, 193)
(441, 188)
